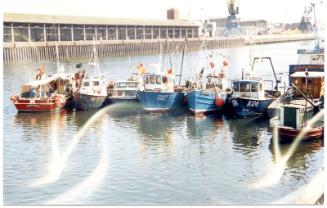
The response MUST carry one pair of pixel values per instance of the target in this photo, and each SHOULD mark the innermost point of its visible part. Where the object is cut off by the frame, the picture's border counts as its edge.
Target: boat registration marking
(162, 97)
(253, 104)
(234, 102)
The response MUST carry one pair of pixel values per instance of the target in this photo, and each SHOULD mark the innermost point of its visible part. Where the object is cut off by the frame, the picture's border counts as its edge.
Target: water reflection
(248, 133)
(38, 125)
(157, 133)
(199, 127)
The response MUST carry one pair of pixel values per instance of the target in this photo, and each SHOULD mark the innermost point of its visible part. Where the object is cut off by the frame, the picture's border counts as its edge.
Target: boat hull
(123, 99)
(287, 134)
(161, 101)
(200, 102)
(244, 107)
(86, 102)
(35, 106)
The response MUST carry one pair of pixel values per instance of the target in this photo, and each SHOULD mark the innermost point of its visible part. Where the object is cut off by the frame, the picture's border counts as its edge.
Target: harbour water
(129, 157)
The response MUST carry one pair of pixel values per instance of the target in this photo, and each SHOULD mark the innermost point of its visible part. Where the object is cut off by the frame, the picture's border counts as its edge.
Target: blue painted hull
(122, 100)
(86, 102)
(244, 107)
(203, 102)
(161, 101)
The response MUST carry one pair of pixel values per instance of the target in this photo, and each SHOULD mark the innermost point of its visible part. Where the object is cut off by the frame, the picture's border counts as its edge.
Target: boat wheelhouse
(124, 91)
(306, 80)
(92, 93)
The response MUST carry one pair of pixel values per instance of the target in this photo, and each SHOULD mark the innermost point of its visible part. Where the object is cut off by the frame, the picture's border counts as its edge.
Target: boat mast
(95, 59)
(306, 92)
(181, 73)
(317, 47)
(58, 66)
(160, 56)
(57, 54)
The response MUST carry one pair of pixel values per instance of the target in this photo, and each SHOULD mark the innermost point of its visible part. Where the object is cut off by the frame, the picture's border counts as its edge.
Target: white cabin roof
(310, 74)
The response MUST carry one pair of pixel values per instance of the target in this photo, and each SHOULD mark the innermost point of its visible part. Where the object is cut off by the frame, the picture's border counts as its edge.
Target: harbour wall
(29, 52)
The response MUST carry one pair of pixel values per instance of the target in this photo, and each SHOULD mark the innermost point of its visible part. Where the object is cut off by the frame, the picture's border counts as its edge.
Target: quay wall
(29, 52)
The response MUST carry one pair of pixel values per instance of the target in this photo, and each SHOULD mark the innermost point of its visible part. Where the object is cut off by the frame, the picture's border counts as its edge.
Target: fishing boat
(292, 121)
(208, 93)
(39, 96)
(250, 96)
(309, 68)
(124, 91)
(160, 93)
(204, 97)
(93, 90)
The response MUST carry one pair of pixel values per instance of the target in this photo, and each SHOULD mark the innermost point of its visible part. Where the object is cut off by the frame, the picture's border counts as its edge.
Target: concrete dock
(27, 52)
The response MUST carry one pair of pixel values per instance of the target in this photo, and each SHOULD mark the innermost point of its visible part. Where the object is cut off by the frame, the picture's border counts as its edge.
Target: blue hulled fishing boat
(160, 94)
(210, 94)
(249, 98)
(249, 95)
(206, 97)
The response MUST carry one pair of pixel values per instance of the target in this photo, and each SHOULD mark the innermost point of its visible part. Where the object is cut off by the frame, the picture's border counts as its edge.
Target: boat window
(132, 85)
(254, 87)
(146, 80)
(96, 83)
(86, 84)
(164, 80)
(236, 87)
(122, 85)
(260, 86)
(158, 80)
(152, 79)
(245, 87)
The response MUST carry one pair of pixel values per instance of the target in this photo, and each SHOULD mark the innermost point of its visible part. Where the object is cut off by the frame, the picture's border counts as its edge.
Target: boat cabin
(125, 89)
(314, 81)
(44, 87)
(158, 82)
(311, 56)
(248, 89)
(212, 82)
(95, 86)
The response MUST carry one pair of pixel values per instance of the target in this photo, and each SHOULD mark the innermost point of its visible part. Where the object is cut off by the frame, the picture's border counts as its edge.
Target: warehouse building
(44, 28)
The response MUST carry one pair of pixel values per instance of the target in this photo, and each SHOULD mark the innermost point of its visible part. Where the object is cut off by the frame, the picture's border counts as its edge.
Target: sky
(271, 10)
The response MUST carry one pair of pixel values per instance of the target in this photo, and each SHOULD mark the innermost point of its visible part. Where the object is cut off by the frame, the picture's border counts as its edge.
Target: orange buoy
(14, 98)
(225, 63)
(219, 102)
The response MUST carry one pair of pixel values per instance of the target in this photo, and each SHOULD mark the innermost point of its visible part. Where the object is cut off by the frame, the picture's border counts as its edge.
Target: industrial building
(44, 28)
(249, 27)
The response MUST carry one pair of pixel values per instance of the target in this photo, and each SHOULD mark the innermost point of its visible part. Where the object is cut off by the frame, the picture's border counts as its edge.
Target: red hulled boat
(39, 96)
